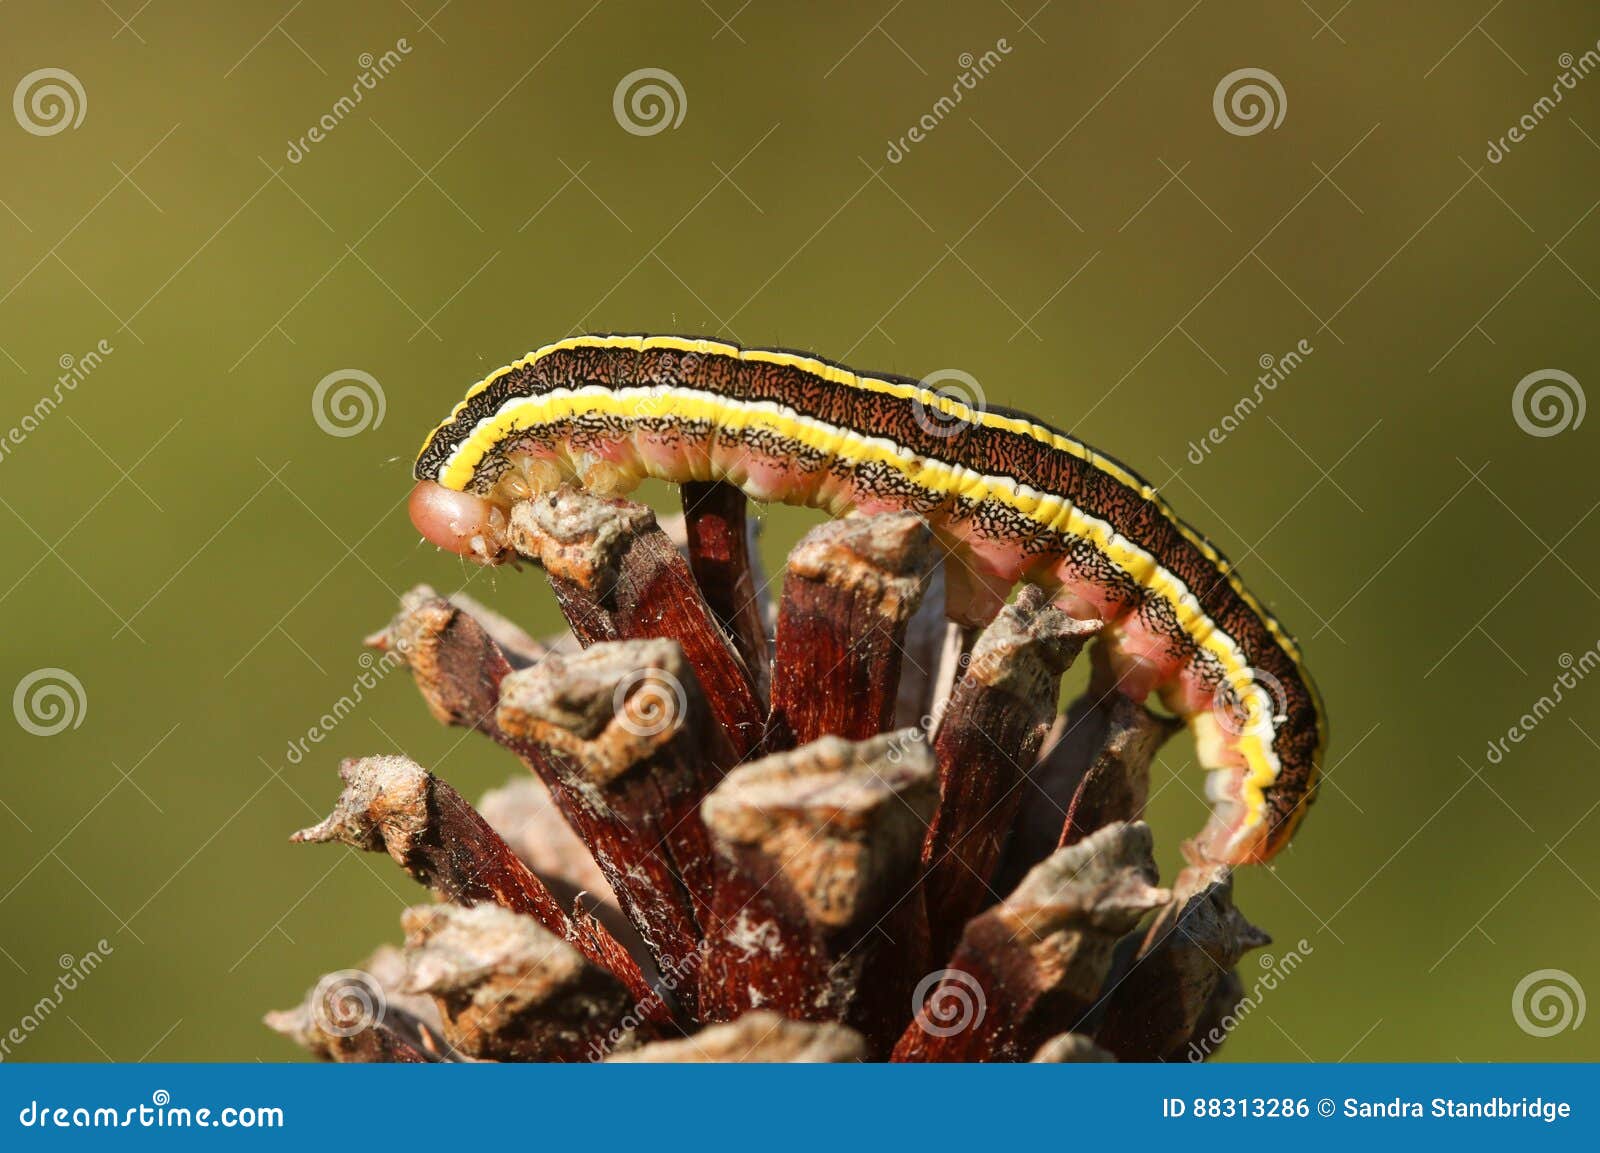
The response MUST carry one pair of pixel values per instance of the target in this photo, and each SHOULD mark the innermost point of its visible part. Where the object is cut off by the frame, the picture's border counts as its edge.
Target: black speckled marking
(1148, 523)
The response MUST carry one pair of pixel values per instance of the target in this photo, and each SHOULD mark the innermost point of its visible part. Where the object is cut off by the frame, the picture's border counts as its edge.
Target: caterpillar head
(460, 522)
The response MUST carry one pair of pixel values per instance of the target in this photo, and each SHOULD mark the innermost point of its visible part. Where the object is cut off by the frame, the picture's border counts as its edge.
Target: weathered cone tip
(1108, 879)
(450, 949)
(841, 782)
(576, 535)
(759, 1036)
(582, 692)
(379, 807)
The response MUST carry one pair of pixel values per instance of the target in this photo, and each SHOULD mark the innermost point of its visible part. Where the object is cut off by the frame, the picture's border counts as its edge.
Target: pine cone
(870, 838)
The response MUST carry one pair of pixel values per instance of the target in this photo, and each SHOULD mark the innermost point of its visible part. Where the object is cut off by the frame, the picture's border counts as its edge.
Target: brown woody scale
(837, 831)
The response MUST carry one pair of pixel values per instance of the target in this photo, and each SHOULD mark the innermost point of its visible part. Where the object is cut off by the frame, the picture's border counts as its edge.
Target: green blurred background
(1080, 234)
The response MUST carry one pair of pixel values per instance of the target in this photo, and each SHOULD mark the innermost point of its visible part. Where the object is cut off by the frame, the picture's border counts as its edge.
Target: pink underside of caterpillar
(980, 572)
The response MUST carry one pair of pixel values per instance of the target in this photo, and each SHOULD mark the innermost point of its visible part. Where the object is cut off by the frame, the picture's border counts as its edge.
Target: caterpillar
(1011, 499)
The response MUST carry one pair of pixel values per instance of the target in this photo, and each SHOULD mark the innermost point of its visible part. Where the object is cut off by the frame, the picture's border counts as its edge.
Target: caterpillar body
(1011, 498)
